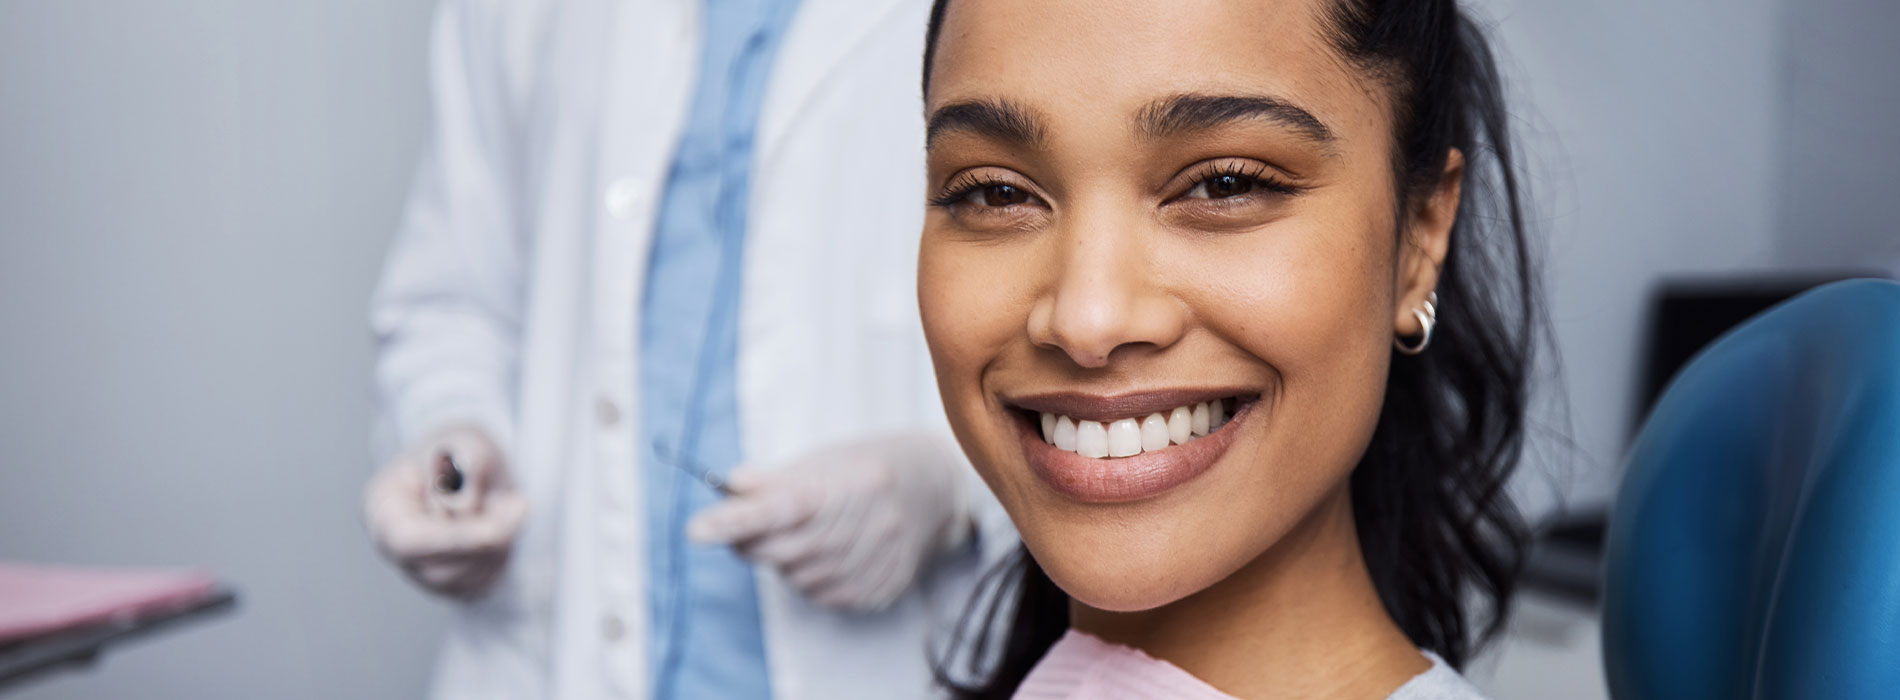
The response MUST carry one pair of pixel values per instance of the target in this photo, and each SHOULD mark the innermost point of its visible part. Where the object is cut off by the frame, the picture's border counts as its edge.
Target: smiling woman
(1181, 274)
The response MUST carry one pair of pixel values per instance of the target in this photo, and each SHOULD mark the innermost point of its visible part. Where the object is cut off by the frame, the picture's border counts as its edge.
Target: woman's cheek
(1320, 281)
(936, 306)
(956, 327)
(967, 295)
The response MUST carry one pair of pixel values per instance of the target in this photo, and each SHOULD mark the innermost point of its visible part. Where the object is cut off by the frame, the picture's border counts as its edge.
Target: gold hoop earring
(1427, 319)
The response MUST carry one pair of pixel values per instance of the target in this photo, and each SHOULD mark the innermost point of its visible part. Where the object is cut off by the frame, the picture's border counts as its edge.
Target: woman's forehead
(1062, 60)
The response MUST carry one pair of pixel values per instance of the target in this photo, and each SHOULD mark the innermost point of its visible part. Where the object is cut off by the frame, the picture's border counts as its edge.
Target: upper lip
(1105, 408)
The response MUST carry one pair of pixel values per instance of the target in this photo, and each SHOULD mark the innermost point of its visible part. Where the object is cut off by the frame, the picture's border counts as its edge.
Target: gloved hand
(849, 526)
(453, 543)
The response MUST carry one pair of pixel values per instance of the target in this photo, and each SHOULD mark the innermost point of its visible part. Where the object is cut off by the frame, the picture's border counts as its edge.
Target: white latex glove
(849, 526)
(456, 543)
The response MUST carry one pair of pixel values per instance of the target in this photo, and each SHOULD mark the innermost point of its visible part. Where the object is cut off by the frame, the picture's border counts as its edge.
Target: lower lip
(1124, 479)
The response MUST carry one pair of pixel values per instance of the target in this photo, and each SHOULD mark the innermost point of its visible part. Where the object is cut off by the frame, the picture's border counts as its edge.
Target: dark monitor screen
(1685, 316)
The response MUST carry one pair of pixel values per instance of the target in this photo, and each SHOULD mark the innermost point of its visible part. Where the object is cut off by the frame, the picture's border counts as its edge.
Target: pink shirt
(1081, 666)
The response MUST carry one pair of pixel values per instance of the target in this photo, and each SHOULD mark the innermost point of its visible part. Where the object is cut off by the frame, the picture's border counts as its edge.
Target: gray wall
(1690, 138)
(1675, 139)
(1649, 131)
(194, 199)
(1840, 149)
(195, 194)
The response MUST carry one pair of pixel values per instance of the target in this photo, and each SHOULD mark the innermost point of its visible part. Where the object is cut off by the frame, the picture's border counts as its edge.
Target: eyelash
(1255, 172)
(962, 187)
(966, 184)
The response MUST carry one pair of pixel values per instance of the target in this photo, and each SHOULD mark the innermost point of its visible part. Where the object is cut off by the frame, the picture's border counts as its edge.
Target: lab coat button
(623, 197)
(612, 629)
(606, 412)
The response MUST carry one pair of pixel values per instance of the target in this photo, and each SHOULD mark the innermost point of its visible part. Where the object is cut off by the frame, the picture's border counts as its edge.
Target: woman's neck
(1303, 620)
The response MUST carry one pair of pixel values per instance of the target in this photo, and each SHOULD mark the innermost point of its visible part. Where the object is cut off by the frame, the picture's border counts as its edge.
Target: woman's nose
(1104, 297)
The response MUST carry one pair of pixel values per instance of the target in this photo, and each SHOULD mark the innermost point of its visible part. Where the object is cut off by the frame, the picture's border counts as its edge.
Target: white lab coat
(511, 298)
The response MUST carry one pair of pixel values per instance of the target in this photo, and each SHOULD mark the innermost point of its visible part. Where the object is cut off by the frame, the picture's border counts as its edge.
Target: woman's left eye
(1243, 181)
(1223, 186)
(1000, 195)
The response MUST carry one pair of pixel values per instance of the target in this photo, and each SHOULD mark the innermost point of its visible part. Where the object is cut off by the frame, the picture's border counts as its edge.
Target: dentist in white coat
(512, 317)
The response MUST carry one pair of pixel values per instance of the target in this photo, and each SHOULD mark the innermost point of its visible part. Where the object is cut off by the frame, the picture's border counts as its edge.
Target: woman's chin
(1128, 578)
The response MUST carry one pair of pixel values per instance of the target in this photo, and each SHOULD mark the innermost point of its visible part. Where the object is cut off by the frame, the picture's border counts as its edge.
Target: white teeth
(1124, 438)
(1127, 437)
(1091, 439)
(1154, 432)
(1180, 425)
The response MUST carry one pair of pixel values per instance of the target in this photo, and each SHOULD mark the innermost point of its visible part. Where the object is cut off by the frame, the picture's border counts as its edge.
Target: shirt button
(624, 197)
(607, 412)
(612, 629)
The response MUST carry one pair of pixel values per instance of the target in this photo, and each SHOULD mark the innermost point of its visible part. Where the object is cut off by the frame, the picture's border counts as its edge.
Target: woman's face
(1161, 275)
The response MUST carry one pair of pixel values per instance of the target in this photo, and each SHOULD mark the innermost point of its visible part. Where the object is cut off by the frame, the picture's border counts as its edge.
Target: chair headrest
(1754, 549)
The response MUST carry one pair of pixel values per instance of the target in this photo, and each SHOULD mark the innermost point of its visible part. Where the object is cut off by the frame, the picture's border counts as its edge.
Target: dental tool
(691, 467)
(446, 485)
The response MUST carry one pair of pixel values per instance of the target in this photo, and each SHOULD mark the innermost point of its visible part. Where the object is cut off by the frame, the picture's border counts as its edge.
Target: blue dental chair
(1754, 550)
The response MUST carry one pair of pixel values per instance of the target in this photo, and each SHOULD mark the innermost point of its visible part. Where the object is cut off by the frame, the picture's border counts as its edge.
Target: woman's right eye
(1001, 195)
(991, 195)
(981, 201)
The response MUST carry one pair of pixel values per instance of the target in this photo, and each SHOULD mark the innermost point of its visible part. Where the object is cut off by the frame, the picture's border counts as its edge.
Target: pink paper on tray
(37, 600)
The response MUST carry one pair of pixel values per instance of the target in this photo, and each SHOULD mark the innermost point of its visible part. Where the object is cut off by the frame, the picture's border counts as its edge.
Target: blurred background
(195, 198)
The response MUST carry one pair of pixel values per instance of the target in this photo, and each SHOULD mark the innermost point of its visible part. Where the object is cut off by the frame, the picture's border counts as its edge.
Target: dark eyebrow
(1180, 114)
(996, 119)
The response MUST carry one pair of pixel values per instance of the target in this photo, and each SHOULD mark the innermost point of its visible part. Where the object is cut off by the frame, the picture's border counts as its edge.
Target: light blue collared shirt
(707, 641)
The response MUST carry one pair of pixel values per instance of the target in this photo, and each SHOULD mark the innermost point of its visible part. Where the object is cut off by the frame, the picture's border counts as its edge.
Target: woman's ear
(1427, 240)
